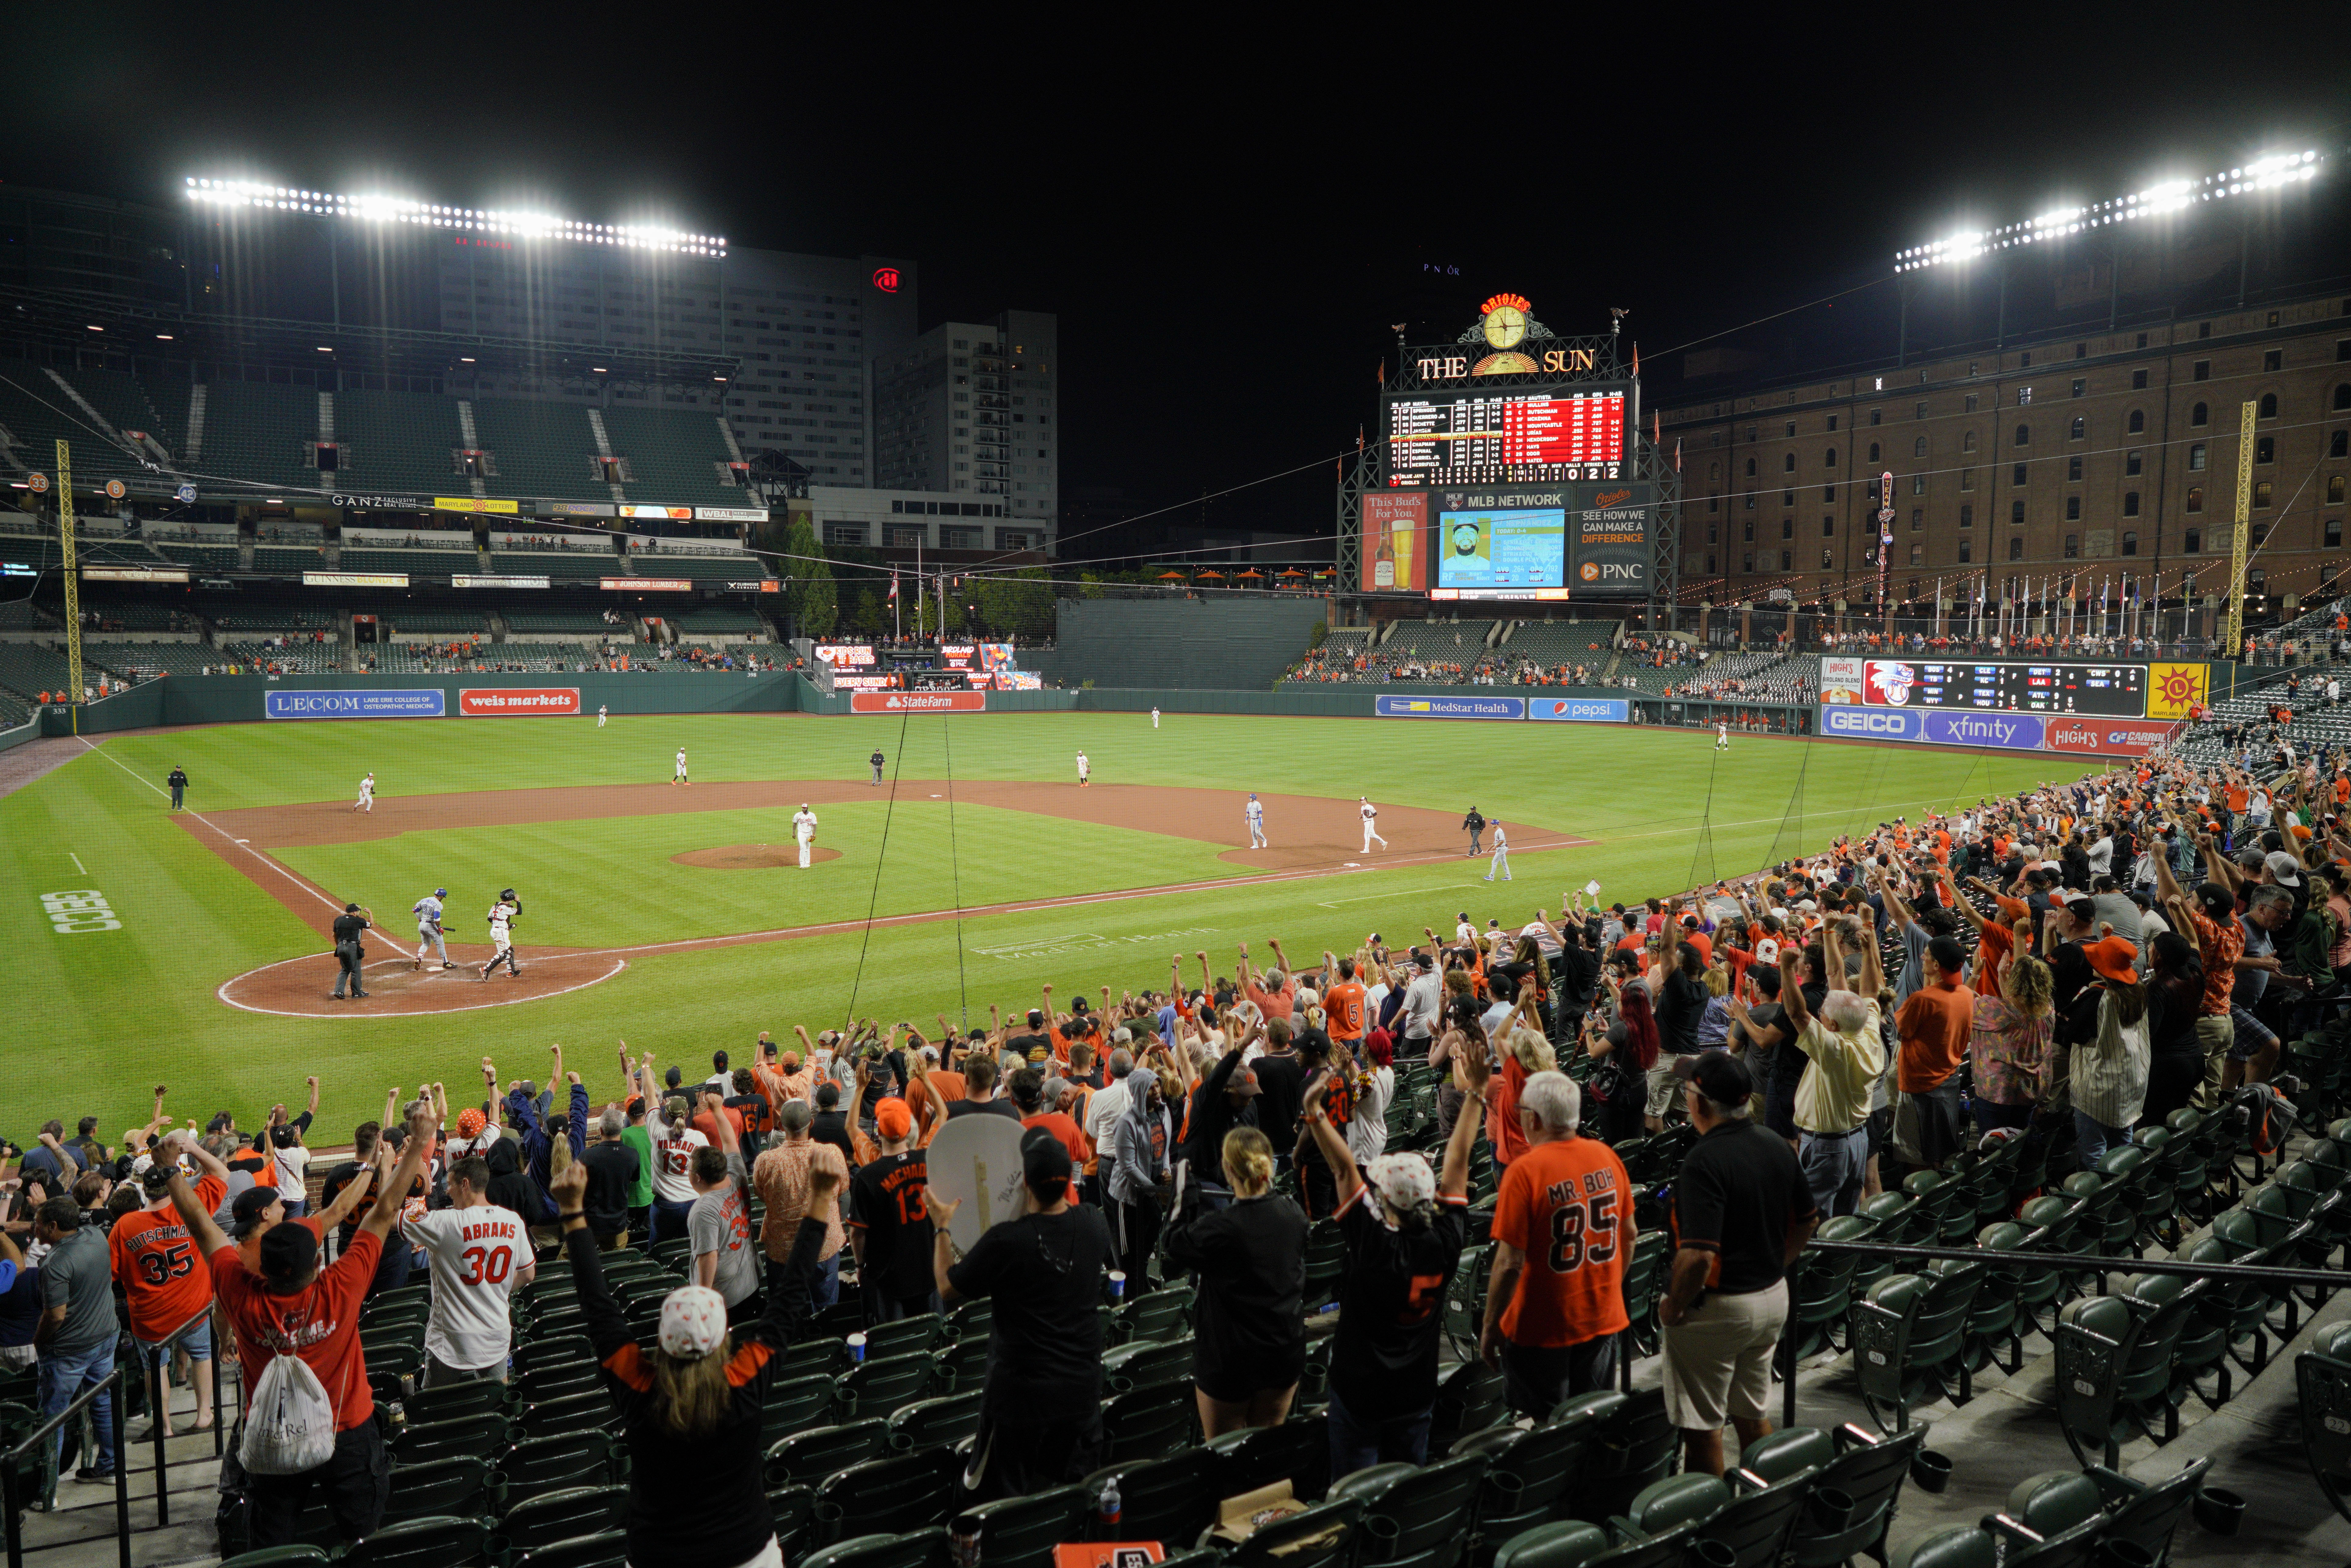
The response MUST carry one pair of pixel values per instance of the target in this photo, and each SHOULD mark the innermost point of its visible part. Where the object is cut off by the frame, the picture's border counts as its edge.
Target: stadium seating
(560, 621)
(30, 668)
(36, 413)
(139, 660)
(396, 441)
(124, 403)
(261, 432)
(414, 562)
(539, 448)
(674, 457)
(574, 564)
(209, 559)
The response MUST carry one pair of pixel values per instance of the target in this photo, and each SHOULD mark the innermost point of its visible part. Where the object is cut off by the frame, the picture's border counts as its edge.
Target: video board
(1567, 541)
(2106, 691)
(1502, 552)
(1473, 437)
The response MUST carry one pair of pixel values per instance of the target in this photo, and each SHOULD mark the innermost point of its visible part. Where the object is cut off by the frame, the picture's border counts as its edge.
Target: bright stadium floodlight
(2270, 172)
(374, 208)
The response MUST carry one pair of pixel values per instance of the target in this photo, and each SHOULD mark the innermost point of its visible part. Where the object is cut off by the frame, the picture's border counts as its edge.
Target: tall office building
(971, 409)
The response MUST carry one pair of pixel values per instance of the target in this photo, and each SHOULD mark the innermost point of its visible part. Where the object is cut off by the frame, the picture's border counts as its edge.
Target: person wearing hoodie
(511, 1186)
(532, 1124)
(1140, 1145)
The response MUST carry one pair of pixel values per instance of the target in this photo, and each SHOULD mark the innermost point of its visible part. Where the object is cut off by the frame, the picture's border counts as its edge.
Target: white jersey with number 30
(475, 1253)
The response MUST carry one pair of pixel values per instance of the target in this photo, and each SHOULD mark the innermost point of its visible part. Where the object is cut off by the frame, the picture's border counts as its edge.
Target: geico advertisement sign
(1874, 723)
(2102, 737)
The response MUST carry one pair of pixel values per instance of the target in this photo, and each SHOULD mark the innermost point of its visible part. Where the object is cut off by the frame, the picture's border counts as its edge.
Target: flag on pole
(1678, 454)
(893, 585)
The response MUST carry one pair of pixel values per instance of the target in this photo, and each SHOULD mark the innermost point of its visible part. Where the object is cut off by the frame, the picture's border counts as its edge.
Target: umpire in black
(876, 759)
(178, 780)
(349, 950)
(1477, 825)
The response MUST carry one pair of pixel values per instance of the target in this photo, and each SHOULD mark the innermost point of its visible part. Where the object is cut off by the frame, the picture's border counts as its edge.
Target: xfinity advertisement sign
(2015, 731)
(425, 703)
(1873, 723)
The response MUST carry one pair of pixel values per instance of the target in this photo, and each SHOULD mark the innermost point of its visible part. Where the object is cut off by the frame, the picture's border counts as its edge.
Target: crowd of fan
(2061, 965)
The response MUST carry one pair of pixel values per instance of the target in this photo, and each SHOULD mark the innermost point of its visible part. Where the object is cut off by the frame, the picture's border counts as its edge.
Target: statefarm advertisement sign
(917, 702)
(517, 702)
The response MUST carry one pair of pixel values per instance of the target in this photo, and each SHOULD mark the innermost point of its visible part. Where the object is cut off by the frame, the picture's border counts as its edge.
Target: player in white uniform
(1501, 861)
(804, 830)
(1722, 735)
(429, 936)
(1083, 767)
(681, 778)
(365, 802)
(501, 917)
(1255, 812)
(479, 1253)
(1155, 718)
(602, 712)
(1370, 815)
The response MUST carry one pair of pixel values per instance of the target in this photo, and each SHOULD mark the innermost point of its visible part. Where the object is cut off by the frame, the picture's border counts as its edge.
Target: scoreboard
(2105, 691)
(1487, 438)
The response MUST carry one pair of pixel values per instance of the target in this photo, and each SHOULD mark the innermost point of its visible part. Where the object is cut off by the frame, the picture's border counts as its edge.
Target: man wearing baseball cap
(165, 1297)
(889, 1231)
(1743, 1213)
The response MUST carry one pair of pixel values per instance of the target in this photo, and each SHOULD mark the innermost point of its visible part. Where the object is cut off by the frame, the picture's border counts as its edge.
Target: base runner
(1255, 812)
(1371, 815)
(429, 935)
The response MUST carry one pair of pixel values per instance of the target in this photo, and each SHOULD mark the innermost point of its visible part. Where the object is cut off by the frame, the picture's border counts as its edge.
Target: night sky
(1226, 216)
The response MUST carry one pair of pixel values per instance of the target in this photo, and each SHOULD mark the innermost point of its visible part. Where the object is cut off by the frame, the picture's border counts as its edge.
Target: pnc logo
(1607, 498)
(1589, 571)
(885, 278)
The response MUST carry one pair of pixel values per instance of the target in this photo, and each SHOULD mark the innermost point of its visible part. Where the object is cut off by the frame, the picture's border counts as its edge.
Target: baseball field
(194, 950)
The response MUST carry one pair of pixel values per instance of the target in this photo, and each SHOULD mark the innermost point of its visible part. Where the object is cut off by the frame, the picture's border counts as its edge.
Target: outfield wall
(1190, 645)
(245, 699)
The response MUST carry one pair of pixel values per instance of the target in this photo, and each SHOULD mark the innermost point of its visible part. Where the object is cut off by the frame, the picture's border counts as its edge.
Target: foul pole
(73, 582)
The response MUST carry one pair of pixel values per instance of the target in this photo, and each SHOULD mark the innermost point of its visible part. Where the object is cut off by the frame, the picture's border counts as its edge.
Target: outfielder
(602, 712)
(1371, 815)
(1502, 853)
(1255, 812)
(1083, 768)
(502, 917)
(365, 802)
(877, 760)
(681, 778)
(804, 830)
(429, 936)
(1155, 718)
(1722, 735)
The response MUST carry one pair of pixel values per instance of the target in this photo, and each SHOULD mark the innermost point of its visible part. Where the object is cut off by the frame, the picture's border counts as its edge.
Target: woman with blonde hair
(2011, 1056)
(691, 1408)
(1249, 1343)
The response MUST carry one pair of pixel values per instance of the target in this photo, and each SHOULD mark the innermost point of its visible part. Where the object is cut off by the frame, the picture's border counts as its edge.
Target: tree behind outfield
(816, 602)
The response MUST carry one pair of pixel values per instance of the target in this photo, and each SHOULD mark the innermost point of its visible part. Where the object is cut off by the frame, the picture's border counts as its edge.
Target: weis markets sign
(512, 701)
(425, 703)
(917, 702)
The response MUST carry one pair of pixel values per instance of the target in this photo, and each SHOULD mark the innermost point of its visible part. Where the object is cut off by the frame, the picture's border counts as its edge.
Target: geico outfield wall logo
(421, 703)
(1874, 723)
(1450, 707)
(1580, 710)
(2014, 731)
(78, 910)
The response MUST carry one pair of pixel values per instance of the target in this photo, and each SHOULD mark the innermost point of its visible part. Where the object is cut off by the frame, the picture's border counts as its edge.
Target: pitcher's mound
(752, 857)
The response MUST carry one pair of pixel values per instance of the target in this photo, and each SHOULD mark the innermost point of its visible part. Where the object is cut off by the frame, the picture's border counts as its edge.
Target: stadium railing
(12, 1474)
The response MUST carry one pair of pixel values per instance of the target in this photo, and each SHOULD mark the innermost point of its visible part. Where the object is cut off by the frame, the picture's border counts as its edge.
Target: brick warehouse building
(2097, 453)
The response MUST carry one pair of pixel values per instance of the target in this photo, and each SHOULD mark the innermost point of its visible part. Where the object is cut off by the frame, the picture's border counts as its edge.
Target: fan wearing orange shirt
(1345, 1005)
(166, 1289)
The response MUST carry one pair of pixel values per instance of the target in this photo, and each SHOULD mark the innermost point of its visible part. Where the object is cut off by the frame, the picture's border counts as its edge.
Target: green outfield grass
(104, 1016)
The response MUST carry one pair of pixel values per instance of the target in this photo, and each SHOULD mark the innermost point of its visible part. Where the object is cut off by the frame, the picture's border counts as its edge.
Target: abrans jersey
(475, 1253)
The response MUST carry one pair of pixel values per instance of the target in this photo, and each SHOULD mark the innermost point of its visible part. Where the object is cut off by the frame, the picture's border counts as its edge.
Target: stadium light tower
(2162, 198)
(515, 223)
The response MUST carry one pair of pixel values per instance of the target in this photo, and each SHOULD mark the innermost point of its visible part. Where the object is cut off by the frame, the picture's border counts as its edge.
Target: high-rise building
(970, 409)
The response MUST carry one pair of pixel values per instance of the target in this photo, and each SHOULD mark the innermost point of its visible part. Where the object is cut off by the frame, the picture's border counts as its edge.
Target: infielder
(1502, 853)
(1255, 812)
(681, 778)
(877, 760)
(365, 802)
(804, 831)
(502, 917)
(602, 712)
(1722, 735)
(429, 936)
(1371, 815)
(1083, 768)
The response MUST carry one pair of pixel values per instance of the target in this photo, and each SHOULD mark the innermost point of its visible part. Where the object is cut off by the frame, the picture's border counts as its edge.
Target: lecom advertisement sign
(917, 702)
(517, 702)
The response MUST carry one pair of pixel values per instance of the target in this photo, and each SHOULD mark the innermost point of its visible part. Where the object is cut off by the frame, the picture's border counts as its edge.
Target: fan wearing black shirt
(1251, 1262)
(1403, 1236)
(1281, 1084)
(392, 1266)
(979, 1095)
(1040, 1409)
(889, 1229)
(1331, 1076)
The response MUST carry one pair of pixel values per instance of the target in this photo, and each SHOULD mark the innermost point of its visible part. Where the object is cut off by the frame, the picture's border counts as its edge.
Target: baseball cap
(288, 1252)
(250, 1205)
(693, 1322)
(469, 1121)
(1243, 1082)
(893, 1119)
(1045, 1165)
(1721, 1077)
(156, 1180)
(2081, 908)
(1404, 1179)
(2284, 869)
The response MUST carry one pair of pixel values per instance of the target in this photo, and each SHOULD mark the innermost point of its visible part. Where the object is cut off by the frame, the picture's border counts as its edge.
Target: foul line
(200, 817)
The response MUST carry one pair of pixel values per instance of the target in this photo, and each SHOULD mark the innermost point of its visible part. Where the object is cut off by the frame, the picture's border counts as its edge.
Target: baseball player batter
(804, 830)
(1255, 812)
(1371, 815)
(365, 802)
(1083, 769)
(681, 778)
(1501, 861)
(502, 916)
(429, 935)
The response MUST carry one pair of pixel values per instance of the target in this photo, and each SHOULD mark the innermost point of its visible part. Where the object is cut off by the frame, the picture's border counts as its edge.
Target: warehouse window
(1918, 447)
(2195, 497)
(2138, 378)
(2130, 503)
(2073, 508)
(2078, 429)
(2262, 492)
(2196, 457)
(2016, 547)
(2073, 470)
(2130, 542)
(1967, 516)
(2268, 406)
(2073, 546)
(2200, 416)
(1967, 552)
(2193, 541)
(2335, 490)
(2023, 435)
(2016, 514)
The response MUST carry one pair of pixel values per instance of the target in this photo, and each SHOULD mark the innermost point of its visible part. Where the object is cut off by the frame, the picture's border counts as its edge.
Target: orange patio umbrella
(1217, 575)
(1171, 577)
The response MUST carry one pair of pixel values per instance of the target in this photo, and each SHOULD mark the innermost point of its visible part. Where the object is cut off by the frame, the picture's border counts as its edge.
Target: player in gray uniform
(429, 936)
(1255, 814)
